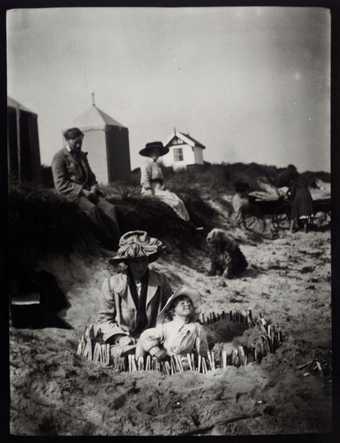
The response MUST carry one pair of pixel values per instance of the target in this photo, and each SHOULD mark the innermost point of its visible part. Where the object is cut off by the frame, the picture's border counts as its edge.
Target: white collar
(179, 321)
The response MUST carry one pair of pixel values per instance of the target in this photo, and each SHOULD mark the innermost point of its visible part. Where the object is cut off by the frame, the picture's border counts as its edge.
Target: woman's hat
(152, 147)
(134, 245)
(193, 294)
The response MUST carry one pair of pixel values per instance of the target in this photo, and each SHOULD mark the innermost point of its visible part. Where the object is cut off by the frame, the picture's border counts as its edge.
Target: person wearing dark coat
(300, 198)
(226, 257)
(301, 203)
(74, 179)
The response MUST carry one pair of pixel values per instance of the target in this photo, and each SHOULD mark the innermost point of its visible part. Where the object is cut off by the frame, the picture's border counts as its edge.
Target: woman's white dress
(152, 184)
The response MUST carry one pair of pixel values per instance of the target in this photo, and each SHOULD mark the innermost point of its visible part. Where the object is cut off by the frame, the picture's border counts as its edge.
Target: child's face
(183, 307)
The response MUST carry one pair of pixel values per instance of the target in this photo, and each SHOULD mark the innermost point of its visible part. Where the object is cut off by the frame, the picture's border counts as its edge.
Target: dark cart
(277, 212)
(322, 212)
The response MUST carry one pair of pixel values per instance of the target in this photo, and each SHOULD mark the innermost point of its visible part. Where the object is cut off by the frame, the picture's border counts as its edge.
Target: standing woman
(301, 202)
(152, 179)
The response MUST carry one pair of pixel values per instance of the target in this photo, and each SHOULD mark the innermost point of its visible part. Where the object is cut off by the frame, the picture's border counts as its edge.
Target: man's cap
(73, 133)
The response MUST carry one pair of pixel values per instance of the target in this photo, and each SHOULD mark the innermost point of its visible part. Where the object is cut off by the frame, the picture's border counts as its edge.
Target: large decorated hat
(134, 245)
(193, 294)
(154, 147)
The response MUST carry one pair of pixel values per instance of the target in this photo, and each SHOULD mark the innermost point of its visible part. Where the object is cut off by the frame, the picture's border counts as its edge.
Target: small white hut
(184, 150)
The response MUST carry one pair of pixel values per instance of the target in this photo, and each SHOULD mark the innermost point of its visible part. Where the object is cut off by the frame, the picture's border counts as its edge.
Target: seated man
(74, 179)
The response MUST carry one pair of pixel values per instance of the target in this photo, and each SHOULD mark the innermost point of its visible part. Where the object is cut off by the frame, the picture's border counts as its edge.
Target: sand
(54, 392)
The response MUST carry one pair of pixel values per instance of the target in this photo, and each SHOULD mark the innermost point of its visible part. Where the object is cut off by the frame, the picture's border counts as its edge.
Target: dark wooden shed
(23, 152)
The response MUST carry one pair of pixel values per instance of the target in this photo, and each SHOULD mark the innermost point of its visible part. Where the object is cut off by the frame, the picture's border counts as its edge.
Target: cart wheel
(328, 218)
(329, 215)
(254, 223)
(280, 221)
(322, 219)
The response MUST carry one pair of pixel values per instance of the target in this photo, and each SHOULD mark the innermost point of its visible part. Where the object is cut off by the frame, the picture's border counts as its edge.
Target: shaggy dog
(225, 254)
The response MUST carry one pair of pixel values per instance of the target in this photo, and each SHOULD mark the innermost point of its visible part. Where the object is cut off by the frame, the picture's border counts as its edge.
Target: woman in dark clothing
(300, 198)
(301, 203)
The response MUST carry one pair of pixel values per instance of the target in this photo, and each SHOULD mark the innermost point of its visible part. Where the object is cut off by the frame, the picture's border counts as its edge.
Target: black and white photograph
(169, 221)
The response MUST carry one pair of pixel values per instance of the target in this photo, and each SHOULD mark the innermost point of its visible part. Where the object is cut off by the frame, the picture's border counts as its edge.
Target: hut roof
(11, 103)
(96, 118)
(185, 138)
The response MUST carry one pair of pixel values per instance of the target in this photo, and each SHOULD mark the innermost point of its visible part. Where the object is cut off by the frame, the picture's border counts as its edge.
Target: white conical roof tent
(107, 143)
(95, 118)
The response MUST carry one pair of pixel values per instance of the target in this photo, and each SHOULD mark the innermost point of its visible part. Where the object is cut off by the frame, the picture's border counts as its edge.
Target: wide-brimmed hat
(72, 133)
(134, 245)
(154, 146)
(193, 294)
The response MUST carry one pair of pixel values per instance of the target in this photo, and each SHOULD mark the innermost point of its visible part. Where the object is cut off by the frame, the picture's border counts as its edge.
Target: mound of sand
(54, 392)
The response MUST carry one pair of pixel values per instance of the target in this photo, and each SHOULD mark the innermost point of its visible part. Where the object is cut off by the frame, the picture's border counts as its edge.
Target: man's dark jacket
(72, 173)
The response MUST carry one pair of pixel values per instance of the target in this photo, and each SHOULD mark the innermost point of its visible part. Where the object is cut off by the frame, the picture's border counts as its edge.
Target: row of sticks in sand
(242, 317)
(268, 341)
(92, 348)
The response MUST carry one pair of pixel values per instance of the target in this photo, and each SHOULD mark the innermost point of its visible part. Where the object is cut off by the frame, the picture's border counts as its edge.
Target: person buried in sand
(177, 332)
(133, 298)
(226, 257)
(74, 179)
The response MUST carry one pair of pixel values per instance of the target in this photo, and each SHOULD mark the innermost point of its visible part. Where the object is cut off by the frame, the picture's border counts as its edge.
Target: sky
(250, 83)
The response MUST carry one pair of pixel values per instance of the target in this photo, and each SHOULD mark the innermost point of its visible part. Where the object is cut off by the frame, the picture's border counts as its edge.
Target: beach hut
(23, 152)
(184, 151)
(107, 143)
